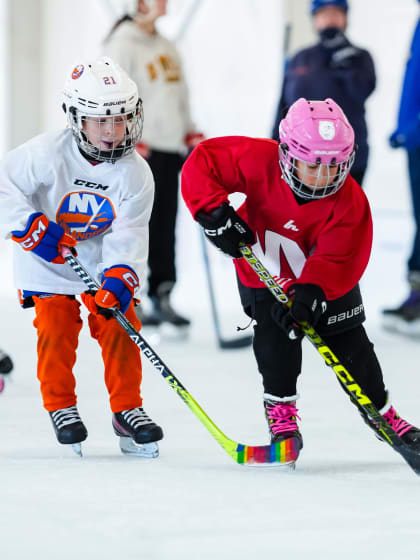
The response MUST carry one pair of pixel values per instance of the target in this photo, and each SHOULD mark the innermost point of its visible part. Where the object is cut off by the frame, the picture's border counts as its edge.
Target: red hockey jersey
(325, 241)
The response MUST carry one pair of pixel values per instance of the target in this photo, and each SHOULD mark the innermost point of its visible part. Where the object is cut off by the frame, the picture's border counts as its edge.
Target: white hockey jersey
(152, 61)
(106, 207)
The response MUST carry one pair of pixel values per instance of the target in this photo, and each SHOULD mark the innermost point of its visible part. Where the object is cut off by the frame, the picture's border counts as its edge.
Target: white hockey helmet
(102, 90)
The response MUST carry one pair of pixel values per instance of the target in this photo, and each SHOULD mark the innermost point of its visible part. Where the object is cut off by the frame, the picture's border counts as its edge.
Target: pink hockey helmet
(318, 134)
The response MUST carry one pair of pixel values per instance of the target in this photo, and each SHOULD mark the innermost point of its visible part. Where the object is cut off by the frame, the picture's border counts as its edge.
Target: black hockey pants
(279, 359)
(165, 167)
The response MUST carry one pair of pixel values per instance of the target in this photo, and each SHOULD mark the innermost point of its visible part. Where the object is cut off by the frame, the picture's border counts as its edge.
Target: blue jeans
(414, 173)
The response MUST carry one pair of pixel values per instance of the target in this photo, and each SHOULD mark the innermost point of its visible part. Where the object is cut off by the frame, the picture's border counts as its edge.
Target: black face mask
(333, 38)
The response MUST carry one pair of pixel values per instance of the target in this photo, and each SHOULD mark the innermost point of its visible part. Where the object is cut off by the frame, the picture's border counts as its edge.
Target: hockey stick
(187, 20)
(262, 455)
(239, 342)
(358, 397)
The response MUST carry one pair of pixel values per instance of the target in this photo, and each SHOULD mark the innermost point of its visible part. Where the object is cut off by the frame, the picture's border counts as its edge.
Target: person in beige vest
(155, 65)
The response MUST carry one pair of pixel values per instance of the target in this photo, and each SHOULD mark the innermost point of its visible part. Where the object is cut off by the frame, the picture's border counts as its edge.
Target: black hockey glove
(344, 58)
(308, 304)
(225, 229)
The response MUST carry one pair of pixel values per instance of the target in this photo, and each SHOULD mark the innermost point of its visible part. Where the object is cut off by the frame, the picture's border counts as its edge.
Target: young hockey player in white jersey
(87, 186)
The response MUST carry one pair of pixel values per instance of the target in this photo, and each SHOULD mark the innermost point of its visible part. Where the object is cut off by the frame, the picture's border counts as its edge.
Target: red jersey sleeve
(343, 247)
(216, 168)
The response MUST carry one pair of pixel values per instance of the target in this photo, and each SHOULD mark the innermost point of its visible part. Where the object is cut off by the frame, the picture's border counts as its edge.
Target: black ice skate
(6, 366)
(147, 319)
(405, 319)
(138, 433)
(69, 427)
(162, 311)
(281, 415)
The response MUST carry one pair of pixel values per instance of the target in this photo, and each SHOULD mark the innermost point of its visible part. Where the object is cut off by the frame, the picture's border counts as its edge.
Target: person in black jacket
(333, 68)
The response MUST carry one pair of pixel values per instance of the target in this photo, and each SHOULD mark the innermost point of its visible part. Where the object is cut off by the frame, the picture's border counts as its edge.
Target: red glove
(44, 238)
(191, 139)
(117, 289)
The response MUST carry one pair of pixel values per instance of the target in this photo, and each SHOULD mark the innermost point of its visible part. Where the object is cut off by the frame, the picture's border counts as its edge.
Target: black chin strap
(111, 156)
(88, 157)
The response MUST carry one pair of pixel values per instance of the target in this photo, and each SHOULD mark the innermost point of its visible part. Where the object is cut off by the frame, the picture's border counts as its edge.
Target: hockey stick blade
(357, 395)
(224, 344)
(279, 454)
(411, 457)
(242, 342)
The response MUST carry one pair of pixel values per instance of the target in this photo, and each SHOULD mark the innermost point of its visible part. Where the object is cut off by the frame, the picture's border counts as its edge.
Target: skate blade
(147, 450)
(172, 333)
(397, 325)
(77, 448)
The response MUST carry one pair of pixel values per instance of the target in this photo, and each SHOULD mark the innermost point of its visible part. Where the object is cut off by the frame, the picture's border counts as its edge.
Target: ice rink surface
(350, 496)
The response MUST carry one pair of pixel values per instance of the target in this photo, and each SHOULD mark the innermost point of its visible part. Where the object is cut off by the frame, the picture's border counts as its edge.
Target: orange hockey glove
(44, 238)
(117, 289)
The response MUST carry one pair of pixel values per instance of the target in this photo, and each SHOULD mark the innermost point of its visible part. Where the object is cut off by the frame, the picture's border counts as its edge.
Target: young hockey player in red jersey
(309, 223)
(84, 185)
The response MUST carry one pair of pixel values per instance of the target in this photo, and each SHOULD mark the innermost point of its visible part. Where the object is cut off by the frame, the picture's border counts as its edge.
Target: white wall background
(4, 98)
(232, 54)
(233, 59)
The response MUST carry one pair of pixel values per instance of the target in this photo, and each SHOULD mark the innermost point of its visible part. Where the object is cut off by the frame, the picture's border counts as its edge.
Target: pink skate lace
(282, 417)
(397, 423)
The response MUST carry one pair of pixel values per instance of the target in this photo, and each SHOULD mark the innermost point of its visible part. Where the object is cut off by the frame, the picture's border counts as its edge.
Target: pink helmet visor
(317, 143)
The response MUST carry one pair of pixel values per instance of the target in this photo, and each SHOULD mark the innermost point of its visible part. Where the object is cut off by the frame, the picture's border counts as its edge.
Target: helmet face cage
(326, 178)
(121, 131)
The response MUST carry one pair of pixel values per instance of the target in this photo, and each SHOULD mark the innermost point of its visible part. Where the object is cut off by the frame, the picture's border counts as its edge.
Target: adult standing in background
(406, 317)
(334, 68)
(153, 62)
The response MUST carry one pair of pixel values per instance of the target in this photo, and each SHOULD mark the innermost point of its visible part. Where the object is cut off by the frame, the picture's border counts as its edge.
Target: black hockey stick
(278, 454)
(357, 396)
(224, 343)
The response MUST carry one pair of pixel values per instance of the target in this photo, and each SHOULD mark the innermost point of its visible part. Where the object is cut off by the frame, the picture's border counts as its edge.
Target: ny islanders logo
(85, 215)
(77, 72)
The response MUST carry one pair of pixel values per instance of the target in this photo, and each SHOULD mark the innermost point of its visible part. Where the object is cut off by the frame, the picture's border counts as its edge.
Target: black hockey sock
(357, 354)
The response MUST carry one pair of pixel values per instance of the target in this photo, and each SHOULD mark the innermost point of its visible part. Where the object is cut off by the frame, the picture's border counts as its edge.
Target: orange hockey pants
(58, 323)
